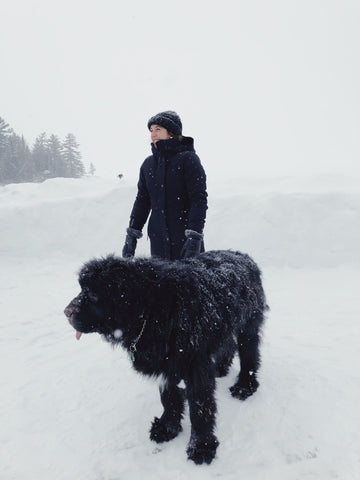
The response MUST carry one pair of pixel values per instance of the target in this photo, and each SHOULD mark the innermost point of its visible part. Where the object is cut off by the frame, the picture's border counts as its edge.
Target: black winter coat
(172, 185)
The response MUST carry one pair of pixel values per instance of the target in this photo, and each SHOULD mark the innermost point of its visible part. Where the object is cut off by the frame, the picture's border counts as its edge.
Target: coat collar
(170, 147)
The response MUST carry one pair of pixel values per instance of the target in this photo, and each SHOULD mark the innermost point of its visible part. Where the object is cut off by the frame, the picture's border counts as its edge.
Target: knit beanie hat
(169, 120)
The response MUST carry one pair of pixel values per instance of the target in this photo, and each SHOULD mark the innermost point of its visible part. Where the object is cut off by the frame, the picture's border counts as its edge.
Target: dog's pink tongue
(78, 335)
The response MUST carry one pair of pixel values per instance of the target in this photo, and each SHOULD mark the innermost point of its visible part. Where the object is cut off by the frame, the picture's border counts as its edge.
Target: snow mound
(279, 222)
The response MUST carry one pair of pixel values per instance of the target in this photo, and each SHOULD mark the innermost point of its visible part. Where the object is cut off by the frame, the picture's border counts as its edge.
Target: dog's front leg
(168, 425)
(200, 388)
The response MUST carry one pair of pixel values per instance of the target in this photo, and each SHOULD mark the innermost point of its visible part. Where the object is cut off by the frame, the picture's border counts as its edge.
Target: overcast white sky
(262, 85)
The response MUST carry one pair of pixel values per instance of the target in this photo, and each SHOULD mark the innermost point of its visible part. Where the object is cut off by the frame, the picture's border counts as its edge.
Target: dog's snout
(73, 306)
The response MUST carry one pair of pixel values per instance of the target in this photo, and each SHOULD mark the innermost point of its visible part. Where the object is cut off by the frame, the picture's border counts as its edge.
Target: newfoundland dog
(180, 320)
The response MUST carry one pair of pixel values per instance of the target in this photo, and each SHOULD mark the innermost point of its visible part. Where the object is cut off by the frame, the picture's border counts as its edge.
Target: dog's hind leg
(168, 425)
(224, 357)
(248, 345)
(200, 387)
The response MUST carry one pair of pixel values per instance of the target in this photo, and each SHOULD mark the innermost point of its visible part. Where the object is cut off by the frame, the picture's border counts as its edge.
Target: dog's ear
(92, 274)
(87, 275)
(107, 275)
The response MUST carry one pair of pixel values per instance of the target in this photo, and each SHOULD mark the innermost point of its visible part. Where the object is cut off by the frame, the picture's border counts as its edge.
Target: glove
(130, 242)
(192, 245)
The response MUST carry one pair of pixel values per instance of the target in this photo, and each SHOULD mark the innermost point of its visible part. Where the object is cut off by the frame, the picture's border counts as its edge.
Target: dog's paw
(243, 390)
(202, 451)
(164, 432)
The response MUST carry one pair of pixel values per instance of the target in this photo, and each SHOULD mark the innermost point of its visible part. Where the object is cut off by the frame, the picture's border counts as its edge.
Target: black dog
(182, 320)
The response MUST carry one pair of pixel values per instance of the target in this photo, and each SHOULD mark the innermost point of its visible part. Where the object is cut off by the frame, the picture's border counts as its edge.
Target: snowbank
(274, 221)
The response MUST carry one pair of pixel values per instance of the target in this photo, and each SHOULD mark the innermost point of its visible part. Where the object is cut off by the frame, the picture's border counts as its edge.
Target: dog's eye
(92, 296)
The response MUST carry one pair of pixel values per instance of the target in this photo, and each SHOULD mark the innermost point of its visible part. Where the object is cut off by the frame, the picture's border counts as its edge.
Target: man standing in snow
(172, 185)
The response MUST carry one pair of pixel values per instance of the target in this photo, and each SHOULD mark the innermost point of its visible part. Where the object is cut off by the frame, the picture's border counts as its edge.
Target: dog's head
(94, 310)
(114, 291)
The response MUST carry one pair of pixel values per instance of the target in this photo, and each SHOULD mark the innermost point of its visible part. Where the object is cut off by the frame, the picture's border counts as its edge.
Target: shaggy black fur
(182, 320)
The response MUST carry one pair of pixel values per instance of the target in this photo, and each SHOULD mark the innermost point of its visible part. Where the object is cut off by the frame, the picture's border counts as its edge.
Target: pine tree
(56, 166)
(26, 165)
(41, 157)
(92, 169)
(72, 157)
(5, 132)
(19, 162)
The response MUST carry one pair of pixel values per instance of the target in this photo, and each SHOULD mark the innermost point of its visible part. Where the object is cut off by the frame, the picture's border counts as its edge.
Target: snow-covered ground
(77, 411)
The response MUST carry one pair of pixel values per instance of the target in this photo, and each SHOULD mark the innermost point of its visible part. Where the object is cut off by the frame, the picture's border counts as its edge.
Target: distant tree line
(48, 158)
